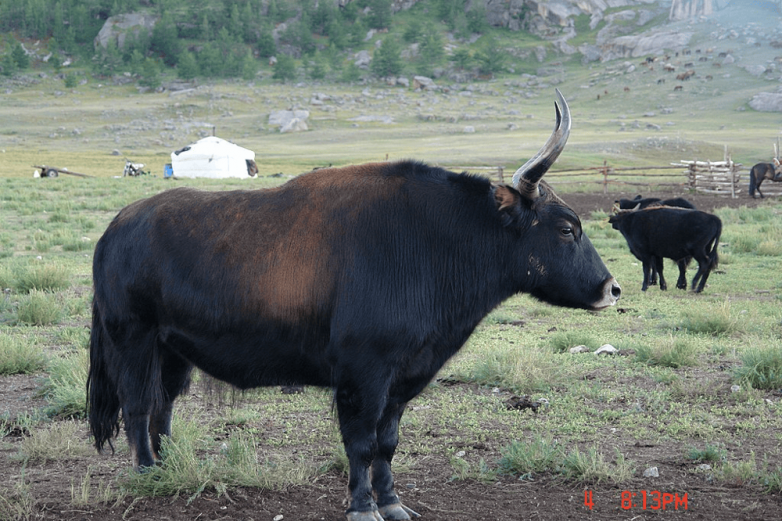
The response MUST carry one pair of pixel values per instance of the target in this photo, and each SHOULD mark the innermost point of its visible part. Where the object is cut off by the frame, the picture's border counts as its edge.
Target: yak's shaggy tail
(102, 400)
(714, 258)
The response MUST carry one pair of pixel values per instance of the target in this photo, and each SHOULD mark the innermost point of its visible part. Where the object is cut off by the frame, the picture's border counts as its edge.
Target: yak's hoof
(372, 515)
(398, 512)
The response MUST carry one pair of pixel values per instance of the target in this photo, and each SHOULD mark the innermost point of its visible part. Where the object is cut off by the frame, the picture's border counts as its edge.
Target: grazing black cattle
(639, 202)
(661, 232)
(365, 279)
(760, 173)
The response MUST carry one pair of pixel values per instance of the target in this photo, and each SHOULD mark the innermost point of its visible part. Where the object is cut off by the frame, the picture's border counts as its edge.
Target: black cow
(639, 202)
(760, 173)
(661, 232)
(366, 279)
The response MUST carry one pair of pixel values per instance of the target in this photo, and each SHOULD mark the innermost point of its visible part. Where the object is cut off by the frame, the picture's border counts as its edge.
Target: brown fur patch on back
(300, 265)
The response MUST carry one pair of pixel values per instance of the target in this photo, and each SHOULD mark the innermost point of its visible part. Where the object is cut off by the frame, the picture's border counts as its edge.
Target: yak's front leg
(389, 505)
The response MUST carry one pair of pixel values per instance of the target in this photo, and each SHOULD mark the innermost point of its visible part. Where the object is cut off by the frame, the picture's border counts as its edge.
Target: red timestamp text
(644, 500)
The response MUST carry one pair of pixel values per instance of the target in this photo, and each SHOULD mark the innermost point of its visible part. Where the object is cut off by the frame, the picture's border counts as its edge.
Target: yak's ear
(505, 197)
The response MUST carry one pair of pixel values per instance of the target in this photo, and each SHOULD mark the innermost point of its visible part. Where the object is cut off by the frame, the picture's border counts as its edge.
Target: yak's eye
(567, 231)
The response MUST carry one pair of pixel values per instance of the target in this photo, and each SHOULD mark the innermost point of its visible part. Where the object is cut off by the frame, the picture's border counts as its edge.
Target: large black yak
(365, 279)
(639, 203)
(659, 232)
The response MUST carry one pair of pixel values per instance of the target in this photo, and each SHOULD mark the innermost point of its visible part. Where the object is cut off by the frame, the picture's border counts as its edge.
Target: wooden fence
(724, 178)
(720, 177)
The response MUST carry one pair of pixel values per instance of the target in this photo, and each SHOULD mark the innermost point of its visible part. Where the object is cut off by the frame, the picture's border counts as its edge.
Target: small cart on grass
(53, 171)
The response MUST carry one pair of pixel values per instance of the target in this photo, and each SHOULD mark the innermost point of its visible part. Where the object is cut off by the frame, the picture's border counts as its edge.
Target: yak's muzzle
(611, 293)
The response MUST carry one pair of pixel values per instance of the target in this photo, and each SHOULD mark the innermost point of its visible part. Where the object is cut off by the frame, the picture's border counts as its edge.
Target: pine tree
(187, 66)
(380, 14)
(266, 45)
(430, 52)
(285, 68)
(19, 56)
(165, 42)
(338, 37)
(249, 66)
(461, 59)
(8, 65)
(387, 60)
(351, 73)
(492, 59)
(107, 61)
(210, 60)
(150, 74)
(316, 68)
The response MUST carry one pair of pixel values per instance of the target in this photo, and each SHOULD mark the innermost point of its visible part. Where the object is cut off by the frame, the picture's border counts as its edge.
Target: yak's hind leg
(175, 372)
(657, 265)
(704, 269)
(139, 389)
(647, 267)
(389, 505)
(681, 283)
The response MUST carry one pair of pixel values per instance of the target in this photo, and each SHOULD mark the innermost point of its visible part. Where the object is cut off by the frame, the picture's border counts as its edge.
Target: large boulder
(289, 120)
(117, 28)
(362, 59)
(423, 83)
(767, 102)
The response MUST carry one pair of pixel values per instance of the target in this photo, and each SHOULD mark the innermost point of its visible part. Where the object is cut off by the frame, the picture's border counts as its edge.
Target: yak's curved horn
(526, 178)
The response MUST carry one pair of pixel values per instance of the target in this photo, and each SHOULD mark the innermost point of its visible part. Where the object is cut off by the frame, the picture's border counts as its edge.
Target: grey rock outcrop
(767, 102)
(644, 45)
(362, 59)
(117, 28)
(289, 120)
(423, 83)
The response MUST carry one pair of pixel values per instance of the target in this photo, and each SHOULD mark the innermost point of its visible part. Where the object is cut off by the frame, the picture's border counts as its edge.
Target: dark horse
(761, 172)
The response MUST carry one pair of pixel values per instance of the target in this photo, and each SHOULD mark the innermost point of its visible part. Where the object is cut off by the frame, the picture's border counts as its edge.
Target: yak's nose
(611, 293)
(616, 290)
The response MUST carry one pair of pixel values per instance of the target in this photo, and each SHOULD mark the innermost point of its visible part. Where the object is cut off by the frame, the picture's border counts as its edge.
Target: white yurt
(214, 158)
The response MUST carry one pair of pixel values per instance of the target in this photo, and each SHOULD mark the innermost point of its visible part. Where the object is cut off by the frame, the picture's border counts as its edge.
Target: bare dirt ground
(428, 488)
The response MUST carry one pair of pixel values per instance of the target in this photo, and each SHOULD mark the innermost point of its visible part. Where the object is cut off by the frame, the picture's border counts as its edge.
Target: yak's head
(558, 262)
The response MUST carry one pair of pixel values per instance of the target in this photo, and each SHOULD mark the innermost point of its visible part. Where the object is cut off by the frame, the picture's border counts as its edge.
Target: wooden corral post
(732, 174)
(605, 176)
(500, 172)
